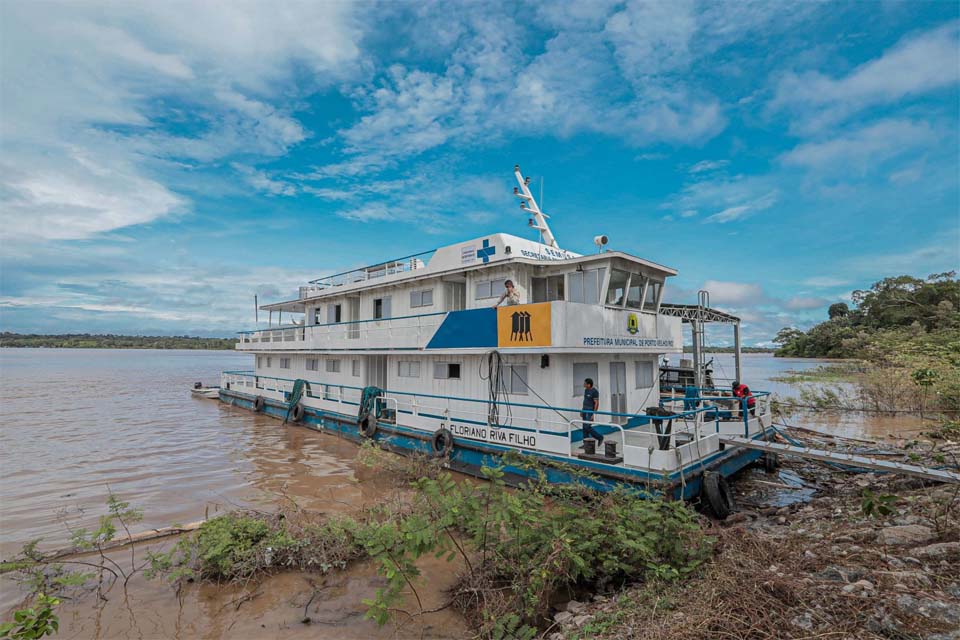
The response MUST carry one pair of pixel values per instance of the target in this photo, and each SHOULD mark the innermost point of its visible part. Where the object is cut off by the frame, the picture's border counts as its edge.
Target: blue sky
(163, 162)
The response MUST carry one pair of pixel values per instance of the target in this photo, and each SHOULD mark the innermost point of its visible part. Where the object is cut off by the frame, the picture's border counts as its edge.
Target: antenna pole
(529, 204)
(256, 310)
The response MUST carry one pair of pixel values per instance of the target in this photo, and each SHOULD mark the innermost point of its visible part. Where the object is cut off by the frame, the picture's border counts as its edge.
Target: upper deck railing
(363, 274)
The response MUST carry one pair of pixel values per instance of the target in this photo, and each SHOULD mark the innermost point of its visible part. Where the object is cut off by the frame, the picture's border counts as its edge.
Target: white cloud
(864, 147)
(918, 64)
(261, 181)
(801, 303)
(722, 292)
(708, 165)
(92, 93)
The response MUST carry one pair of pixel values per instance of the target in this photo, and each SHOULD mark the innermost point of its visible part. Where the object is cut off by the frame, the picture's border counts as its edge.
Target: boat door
(618, 390)
(377, 371)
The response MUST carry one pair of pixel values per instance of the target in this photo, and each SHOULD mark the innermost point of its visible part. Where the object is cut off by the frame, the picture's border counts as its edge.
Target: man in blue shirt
(591, 402)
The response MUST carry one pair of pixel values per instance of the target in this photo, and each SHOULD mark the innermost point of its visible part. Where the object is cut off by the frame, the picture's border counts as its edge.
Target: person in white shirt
(511, 295)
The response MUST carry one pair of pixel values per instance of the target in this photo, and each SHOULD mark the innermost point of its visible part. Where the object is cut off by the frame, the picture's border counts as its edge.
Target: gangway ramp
(849, 459)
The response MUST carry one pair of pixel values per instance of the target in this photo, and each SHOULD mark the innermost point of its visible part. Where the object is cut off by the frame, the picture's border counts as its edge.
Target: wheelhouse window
(333, 366)
(652, 301)
(422, 298)
(408, 369)
(582, 371)
(516, 379)
(638, 284)
(312, 364)
(381, 308)
(446, 370)
(617, 289)
(334, 313)
(547, 289)
(584, 286)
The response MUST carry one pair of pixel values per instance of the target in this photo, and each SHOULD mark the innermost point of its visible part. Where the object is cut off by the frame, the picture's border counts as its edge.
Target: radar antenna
(529, 204)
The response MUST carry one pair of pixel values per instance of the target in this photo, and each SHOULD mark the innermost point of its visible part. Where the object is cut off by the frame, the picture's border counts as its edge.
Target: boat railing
(720, 403)
(546, 423)
(372, 272)
(413, 327)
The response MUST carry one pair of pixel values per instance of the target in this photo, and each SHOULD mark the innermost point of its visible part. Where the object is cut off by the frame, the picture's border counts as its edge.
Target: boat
(415, 354)
(201, 391)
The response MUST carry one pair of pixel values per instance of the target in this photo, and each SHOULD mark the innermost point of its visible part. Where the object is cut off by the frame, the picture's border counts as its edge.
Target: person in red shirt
(743, 391)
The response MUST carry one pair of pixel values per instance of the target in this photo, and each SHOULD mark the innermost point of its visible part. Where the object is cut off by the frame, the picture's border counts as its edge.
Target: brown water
(79, 423)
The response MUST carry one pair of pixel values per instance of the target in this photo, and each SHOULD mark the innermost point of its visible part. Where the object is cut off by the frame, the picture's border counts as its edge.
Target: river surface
(79, 423)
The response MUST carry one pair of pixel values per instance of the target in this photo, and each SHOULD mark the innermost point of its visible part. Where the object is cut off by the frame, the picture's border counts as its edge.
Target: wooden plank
(938, 475)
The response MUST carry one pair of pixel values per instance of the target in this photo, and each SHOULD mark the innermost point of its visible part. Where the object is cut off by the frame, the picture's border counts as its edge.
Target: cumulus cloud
(918, 64)
(726, 293)
(97, 96)
(863, 147)
(806, 302)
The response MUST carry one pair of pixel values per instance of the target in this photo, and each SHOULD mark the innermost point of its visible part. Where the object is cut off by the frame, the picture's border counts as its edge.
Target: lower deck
(649, 445)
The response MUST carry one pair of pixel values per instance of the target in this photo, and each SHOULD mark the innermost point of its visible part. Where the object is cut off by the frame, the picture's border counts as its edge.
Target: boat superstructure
(413, 352)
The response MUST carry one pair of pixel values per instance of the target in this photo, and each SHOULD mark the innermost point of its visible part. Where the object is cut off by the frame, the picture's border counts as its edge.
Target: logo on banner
(525, 325)
(633, 324)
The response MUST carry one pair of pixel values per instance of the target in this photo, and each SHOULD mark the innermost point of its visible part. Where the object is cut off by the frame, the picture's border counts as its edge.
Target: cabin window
(516, 382)
(644, 369)
(408, 369)
(617, 290)
(312, 364)
(489, 289)
(269, 362)
(422, 298)
(653, 296)
(446, 370)
(284, 363)
(259, 362)
(635, 295)
(355, 368)
(381, 308)
(333, 366)
(582, 371)
(584, 286)
(547, 289)
(334, 313)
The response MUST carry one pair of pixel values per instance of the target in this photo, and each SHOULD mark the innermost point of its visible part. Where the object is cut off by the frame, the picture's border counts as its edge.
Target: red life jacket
(743, 391)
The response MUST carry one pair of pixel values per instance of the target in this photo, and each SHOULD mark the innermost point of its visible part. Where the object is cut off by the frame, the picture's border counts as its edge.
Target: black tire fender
(368, 426)
(259, 403)
(716, 492)
(298, 412)
(442, 443)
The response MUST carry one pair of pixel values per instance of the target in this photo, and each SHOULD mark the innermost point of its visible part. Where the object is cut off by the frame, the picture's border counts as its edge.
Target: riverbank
(111, 341)
(812, 550)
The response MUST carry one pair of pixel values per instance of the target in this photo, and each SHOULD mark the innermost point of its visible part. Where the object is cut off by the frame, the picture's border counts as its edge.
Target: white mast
(539, 220)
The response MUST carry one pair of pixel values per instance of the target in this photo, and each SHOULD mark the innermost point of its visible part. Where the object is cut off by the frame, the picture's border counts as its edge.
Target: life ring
(771, 461)
(297, 412)
(368, 426)
(258, 404)
(442, 443)
(716, 490)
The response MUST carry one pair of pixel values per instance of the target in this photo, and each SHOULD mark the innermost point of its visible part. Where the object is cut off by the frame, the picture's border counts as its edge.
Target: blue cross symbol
(486, 251)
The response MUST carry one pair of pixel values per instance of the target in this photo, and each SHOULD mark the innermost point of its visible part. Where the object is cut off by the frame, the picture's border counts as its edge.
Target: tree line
(900, 308)
(112, 341)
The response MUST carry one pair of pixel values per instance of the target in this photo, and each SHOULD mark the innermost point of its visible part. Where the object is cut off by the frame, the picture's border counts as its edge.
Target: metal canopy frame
(697, 316)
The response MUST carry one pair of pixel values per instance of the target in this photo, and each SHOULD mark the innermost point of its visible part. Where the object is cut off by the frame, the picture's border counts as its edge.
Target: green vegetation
(905, 336)
(111, 341)
(904, 307)
(516, 549)
(33, 622)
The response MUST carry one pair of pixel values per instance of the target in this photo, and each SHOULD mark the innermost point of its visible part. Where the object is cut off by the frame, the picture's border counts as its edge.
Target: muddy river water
(79, 423)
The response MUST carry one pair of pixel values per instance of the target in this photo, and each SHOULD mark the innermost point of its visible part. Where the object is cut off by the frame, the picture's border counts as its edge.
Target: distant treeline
(710, 349)
(111, 341)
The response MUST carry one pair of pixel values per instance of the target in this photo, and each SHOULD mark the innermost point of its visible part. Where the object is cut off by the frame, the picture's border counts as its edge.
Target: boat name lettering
(494, 434)
(627, 342)
(545, 253)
